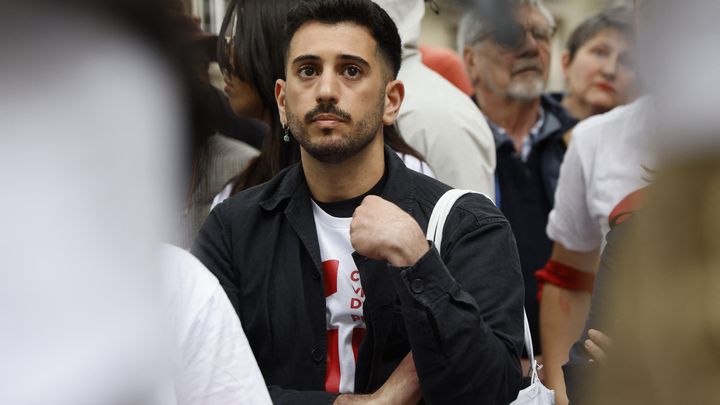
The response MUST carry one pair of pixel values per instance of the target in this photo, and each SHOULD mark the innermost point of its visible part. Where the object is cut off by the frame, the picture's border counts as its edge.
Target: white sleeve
(427, 170)
(448, 129)
(218, 365)
(413, 163)
(570, 222)
(223, 195)
(215, 364)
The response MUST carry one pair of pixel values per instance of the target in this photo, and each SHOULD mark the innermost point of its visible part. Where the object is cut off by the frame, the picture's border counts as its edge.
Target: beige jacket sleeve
(447, 128)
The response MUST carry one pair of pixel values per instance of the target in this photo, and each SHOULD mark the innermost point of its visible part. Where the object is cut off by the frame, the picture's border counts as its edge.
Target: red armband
(564, 276)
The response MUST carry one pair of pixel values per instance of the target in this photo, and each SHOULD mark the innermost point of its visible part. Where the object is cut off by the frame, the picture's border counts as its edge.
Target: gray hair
(473, 26)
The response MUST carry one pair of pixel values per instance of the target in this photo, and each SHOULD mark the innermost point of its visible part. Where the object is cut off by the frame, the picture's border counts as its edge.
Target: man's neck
(516, 117)
(331, 182)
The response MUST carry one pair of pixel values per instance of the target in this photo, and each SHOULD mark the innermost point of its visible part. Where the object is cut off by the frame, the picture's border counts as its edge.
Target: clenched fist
(381, 230)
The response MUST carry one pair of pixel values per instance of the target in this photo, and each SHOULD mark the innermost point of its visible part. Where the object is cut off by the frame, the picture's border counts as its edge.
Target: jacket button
(318, 355)
(316, 275)
(417, 286)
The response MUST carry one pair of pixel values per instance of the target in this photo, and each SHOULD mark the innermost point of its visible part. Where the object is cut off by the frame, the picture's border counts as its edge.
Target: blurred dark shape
(499, 17)
(249, 130)
(219, 150)
(203, 47)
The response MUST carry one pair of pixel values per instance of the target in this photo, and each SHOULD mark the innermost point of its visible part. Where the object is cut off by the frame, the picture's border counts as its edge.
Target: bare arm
(562, 316)
(402, 388)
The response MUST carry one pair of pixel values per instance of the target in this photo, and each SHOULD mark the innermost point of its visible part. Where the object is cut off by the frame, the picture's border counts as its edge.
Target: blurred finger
(600, 338)
(595, 351)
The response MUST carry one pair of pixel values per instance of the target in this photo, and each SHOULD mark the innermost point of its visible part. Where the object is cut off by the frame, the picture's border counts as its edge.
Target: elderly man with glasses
(508, 65)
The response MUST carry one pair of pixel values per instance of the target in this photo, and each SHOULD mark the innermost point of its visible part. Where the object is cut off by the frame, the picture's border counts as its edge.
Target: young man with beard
(509, 77)
(341, 296)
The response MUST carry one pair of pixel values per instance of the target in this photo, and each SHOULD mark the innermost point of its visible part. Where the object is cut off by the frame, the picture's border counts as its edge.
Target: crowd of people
(170, 242)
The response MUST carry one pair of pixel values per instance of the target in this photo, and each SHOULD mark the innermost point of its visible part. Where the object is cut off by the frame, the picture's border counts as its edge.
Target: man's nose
(530, 47)
(327, 91)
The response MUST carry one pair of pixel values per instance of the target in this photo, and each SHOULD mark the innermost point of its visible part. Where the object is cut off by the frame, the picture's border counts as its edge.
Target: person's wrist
(352, 399)
(408, 254)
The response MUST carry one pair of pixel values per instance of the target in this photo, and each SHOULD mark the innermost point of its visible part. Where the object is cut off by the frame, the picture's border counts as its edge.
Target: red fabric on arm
(564, 276)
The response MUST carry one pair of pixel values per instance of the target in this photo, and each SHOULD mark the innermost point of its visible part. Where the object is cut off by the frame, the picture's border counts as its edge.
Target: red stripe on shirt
(357, 338)
(330, 271)
(332, 374)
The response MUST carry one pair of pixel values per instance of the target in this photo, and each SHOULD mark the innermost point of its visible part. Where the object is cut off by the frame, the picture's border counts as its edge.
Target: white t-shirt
(215, 365)
(608, 158)
(411, 162)
(344, 298)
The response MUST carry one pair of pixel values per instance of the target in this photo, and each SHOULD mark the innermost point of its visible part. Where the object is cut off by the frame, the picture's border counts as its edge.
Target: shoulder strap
(434, 233)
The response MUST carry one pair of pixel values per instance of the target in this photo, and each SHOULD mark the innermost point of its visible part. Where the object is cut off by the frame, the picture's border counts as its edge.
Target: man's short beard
(526, 90)
(350, 143)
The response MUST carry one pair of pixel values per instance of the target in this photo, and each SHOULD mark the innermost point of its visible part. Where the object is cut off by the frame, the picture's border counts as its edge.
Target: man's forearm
(402, 388)
(562, 317)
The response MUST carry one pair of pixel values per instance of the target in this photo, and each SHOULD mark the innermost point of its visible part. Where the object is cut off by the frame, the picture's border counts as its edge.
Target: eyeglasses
(541, 34)
(226, 67)
(226, 46)
(514, 37)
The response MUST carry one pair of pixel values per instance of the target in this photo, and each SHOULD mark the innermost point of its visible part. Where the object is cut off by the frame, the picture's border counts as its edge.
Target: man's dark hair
(361, 12)
(259, 25)
(617, 18)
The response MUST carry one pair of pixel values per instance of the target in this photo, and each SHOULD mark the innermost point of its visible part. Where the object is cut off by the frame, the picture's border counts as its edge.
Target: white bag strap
(434, 233)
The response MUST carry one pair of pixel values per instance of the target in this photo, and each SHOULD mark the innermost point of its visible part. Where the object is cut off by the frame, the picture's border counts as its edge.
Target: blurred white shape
(90, 136)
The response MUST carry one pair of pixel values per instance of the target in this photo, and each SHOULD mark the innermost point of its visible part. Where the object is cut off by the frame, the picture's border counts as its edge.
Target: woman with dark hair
(251, 61)
(597, 64)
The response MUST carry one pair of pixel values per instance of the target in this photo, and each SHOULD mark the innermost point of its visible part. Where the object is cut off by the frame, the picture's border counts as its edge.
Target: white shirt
(607, 159)
(344, 298)
(214, 362)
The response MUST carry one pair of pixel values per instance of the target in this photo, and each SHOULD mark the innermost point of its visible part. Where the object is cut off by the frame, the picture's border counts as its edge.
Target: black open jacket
(460, 315)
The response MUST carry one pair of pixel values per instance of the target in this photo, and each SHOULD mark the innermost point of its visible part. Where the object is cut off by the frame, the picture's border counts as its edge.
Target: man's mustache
(328, 108)
(527, 64)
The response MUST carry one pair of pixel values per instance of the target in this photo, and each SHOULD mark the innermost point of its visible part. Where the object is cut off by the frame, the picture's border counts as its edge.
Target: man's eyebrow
(354, 58)
(343, 57)
(306, 58)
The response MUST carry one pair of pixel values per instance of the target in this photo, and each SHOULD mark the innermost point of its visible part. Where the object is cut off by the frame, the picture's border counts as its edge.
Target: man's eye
(541, 34)
(306, 71)
(352, 71)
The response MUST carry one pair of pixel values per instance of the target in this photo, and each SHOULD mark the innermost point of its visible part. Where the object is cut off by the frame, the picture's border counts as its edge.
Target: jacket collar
(290, 185)
(555, 117)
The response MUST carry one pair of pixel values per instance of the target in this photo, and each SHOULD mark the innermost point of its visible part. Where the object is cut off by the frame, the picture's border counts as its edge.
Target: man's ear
(394, 95)
(470, 65)
(280, 99)
(565, 63)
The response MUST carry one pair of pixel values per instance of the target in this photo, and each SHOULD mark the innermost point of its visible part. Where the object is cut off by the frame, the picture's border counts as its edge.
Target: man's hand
(381, 230)
(598, 345)
(401, 388)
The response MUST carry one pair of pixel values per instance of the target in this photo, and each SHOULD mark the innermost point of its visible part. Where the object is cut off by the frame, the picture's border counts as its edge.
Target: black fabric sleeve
(295, 397)
(463, 314)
